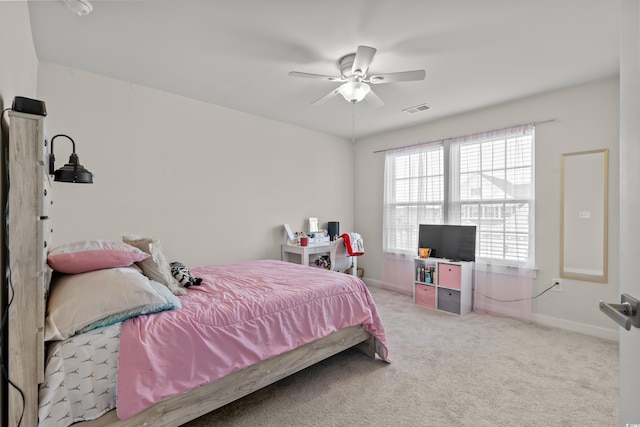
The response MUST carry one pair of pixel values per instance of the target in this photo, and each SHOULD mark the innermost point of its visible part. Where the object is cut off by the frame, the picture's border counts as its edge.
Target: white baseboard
(389, 287)
(596, 331)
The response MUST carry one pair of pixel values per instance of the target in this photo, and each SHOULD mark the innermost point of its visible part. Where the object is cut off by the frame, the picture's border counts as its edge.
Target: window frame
(511, 209)
(407, 242)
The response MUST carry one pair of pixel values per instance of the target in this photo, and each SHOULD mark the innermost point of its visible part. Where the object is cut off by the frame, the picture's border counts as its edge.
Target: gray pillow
(156, 267)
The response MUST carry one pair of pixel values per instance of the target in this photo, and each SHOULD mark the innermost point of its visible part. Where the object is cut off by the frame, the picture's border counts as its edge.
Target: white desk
(304, 252)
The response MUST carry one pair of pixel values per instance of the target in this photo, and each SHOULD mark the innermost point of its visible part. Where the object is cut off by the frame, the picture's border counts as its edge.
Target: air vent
(417, 109)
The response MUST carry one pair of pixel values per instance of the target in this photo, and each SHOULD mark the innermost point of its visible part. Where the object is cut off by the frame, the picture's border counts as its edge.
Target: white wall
(585, 117)
(213, 184)
(18, 61)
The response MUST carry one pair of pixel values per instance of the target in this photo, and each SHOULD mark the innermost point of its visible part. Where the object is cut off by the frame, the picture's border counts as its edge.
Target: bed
(243, 327)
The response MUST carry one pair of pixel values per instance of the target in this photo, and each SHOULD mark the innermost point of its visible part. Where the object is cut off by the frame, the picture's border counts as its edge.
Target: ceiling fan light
(354, 91)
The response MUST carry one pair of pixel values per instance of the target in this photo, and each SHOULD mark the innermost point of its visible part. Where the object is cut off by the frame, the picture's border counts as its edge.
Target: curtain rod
(453, 137)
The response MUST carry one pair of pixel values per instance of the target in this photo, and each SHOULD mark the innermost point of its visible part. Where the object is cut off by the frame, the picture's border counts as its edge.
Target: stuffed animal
(183, 275)
(322, 261)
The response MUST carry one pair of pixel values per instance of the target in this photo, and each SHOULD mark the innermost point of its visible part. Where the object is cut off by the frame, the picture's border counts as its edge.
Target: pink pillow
(90, 255)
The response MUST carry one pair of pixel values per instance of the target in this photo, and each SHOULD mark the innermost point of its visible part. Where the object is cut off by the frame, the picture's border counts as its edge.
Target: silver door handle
(626, 314)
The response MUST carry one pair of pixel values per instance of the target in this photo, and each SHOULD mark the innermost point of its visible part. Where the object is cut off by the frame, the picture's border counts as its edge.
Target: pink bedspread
(240, 315)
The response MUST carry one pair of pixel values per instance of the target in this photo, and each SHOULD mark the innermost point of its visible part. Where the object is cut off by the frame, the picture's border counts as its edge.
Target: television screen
(454, 242)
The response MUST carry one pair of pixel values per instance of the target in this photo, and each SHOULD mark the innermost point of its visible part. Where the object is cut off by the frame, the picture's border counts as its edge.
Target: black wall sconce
(72, 171)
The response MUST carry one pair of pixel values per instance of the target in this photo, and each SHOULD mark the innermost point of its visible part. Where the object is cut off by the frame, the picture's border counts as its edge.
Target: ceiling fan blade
(402, 76)
(325, 98)
(373, 99)
(364, 56)
(315, 76)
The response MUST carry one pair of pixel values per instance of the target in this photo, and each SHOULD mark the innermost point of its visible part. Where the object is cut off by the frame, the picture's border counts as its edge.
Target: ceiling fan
(355, 80)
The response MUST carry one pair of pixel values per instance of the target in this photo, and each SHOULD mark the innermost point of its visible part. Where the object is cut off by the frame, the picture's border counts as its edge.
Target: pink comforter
(240, 315)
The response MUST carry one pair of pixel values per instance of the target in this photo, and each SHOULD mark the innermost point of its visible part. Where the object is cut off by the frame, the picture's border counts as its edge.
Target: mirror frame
(571, 173)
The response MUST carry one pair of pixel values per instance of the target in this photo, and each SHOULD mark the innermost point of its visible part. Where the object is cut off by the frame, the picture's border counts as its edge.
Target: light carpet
(476, 370)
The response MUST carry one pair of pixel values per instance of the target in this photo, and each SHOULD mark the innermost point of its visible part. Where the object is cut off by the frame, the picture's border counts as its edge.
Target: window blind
(414, 194)
(492, 187)
(487, 182)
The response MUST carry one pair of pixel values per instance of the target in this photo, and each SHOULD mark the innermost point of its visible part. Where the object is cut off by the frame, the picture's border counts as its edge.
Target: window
(489, 182)
(414, 194)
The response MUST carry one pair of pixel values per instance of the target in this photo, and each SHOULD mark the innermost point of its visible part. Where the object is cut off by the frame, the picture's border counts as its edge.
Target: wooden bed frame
(199, 401)
(29, 238)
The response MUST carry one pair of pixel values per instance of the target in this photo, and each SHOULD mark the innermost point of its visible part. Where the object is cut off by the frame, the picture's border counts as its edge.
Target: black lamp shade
(73, 172)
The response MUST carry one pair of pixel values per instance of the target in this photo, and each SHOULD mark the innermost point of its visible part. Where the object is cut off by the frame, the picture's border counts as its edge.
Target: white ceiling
(237, 54)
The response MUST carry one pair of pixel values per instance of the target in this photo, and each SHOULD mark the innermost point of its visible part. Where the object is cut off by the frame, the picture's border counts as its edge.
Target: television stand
(443, 284)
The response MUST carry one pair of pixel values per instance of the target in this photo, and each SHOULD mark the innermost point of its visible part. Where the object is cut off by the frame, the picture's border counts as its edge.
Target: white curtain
(413, 194)
(397, 272)
(492, 187)
(503, 291)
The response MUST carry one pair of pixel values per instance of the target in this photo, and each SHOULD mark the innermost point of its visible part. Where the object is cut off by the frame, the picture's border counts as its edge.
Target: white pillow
(156, 267)
(77, 300)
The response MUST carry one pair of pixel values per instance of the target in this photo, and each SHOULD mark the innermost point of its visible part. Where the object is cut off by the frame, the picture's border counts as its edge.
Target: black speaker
(28, 105)
(333, 227)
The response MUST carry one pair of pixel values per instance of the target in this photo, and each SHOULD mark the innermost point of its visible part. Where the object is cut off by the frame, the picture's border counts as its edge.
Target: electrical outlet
(557, 285)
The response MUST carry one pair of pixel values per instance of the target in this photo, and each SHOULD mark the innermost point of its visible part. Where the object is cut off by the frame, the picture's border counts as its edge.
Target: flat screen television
(454, 242)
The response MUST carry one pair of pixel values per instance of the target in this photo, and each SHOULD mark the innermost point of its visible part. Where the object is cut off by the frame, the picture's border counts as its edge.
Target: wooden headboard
(29, 237)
